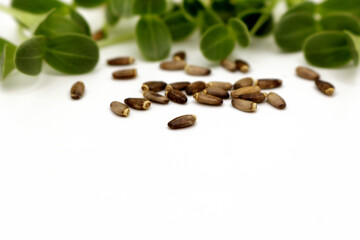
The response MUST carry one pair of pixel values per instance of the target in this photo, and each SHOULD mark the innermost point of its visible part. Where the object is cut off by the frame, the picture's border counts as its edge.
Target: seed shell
(138, 103)
(254, 97)
(245, 82)
(120, 109)
(176, 96)
(217, 92)
(121, 61)
(244, 105)
(179, 56)
(269, 83)
(155, 97)
(155, 86)
(77, 90)
(173, 65)
(125, 74)
(224, 85)
(276, 101)
(307, 73)
(197, 71)
(228, 65)
(195, 87)
(182, 122)
(245, 90)
(177, 85)
(242, 66)
(208, 99)
(325, 87)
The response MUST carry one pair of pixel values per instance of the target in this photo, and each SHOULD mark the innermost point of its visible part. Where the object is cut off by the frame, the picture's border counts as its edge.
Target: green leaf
(77, 17)
(259, 22)
(180, 25)
(72, 53)
(293, 29)
(328, 49)
(240, 30)
(36, 6)
(308, 7)
(341, 22)
(153, 38)
(112, 16)
(208, 18)
(89, 3)
(352, 6)
(225, 9)
(192, 7)
(217, 43)
(354, 43)
(143, 7)
(292, 3)
(29, 56)
(7, 56)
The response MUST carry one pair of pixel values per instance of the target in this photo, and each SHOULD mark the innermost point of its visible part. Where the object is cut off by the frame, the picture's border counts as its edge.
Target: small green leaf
(308, 7)
(240, 30)
(180, 26)
(259, 22)
(89, 3)
(341, 22)
(328, 49)
(208, 18)
(153, 38)
(192, 7)
(217, 43)
(36, 6)
(354, 43)
(143, 7)
(7, 56)
(77, 17)
(329, 6)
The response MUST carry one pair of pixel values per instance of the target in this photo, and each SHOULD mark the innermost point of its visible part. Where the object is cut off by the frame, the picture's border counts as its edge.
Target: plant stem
(115, 40)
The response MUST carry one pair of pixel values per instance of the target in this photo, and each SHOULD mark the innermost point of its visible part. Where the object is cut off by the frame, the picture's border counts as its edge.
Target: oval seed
(177, 85)
(228, 65)
(242, 66)
(197, 71)
(307, 73)
(98, 35)
(244, 105)
(120, 109)
(182, 122)
(245, 82)
(173, 65)
(178, 56)
(325, 87)
(269, 83)
(155, 86)
(217, 92)
(195, 87)
(155, 97)
(245, 90)
(176, 96)
(254, 97)
(208, 99)
(121, 61)
(125, 74)
(276, 101)
(224, 85)
(138, 103)
(77, 90)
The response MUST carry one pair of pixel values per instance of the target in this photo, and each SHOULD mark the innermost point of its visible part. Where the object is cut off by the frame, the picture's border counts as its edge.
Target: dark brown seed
(224, 85)
(138, 103)
(217, 92)
(179, 56)
(307, 73)
(77, 90)
(155, 86)
(325, 87)
(173, 65)
(155, 97)
(120, 109)
(98, 35)
(244, 105)
(121, 61)
(242, 66)
(254, 97)
(197, 71)
(276, 101)
(182, 122)
(208, 99)
(245, 90)
(125, 74)
(228, 65)
(245, 82)
(176, 96)
(195, 87)
(269, 83)
(177, 85)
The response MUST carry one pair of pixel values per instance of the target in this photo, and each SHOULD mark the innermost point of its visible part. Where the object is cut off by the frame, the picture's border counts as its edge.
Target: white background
(73, 170)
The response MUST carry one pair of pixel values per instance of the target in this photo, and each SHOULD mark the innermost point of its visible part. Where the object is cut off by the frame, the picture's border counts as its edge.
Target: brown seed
(176, 96)
(208, 99)
(195, 87)
(125, 74)
(121, 61)
(138, 103)
(245, 82)
(254, 97)
(197, 71)
(155, 86)
(307, 73)
(245, 90)
(224, 85)
(179, 56)
(177, 85)
(182, 122)
(244, 105)
(155, 97)
(173, 65)
(325, 87)
(276, 101)
(77, 90)
(269, 83)
(242, 66)
(98, 35)
(120, 109)
(228, 65)
(217, 92)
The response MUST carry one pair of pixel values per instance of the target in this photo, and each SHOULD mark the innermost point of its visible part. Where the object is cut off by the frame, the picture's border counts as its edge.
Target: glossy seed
(121, 61)
(120, 109)
(195, 87)
(98, 35)
(268, 83)
(77, 90)
(228, 65)
(245, 90)
(182, 122)
(307, 73)
(155, 86)
(244, 105)
(224, 85)
(245, 82)
(173, 65)
(208, 99)
(179, 56)
(217, 92)
(254, 97)
(242, 66)
(155, 97)
(176, 96)
(276, 101)
(325, 87)
(138, 103)
(125, 74)
(177, 85)
(197, 71)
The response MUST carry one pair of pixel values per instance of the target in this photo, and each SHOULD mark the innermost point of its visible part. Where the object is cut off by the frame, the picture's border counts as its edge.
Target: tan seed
(77, 90)
(307, 73)
(197, 71)
(120, 109)
(242, 66)
(177, 85)
(176, 96)
(276, 101)
(254, 97)
(245, 82)
(244, 105)
(269, 83)
(179, 56)
(325, 87)
(138, 103)
(155, 97)
(195, 87)
(121, 61)
(155, 86)
(208, 99)
(224, 85)
(245, 90)
(182, 122)
(98, 35)
(173, 65)
(228, 65)
(125, 74)
(217, 92)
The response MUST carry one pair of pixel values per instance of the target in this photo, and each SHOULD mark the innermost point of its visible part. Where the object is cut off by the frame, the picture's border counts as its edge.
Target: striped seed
(176, 96)
(228, 65)
(245, 82)
(208, 99)
(224, 85)
(195, 87)
(276, 101)
(77, 90)
(325, 87)
(179, 56)
(242, 66)
(125, 74)
(307, 73)
(269, 83)
(173, 65)
(245, 90)
(244, 105)
(177, 85)
(155, 86)
(138, 103)
(120, 109)
(155, 97)
(197, 71)
(217, 92)
(182, 122)
(254, 97)
(121, 61)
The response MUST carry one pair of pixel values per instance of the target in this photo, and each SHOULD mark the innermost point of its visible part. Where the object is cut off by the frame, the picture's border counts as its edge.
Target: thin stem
(115, 40)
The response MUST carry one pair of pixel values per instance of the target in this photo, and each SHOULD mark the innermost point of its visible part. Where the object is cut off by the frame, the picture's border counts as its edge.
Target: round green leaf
(307, 7)
(341, 22)
(240, 30)
(89, 3)
(143, 7)
(354, 43)
(179, 25)
(352, 6)
(77, 17)
(208, 18)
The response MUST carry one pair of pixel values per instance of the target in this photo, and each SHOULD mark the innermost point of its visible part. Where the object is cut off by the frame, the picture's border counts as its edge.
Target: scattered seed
(197, 71)
(155, 97)
(245, 90)
(217, 92)
(208, 99)
(242, 66)
(173, 65)
(325, 87)
(77, 90)
(177, 85)
(307, 73)
(121, 61)
(176, 96)
(155, 86)
(125, 74)
(98, 35)
(244, 105)
(138, 103)
(182, 122)
(276, 101)
(254, 97)
(245, 82)
(179, 56)
(195, 87)
(228, 65)
(269, 83)
(224, 85)
(120, 109)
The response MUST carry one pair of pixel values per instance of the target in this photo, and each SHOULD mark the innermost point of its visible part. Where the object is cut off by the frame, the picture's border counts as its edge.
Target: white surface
(73, 170)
